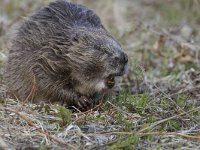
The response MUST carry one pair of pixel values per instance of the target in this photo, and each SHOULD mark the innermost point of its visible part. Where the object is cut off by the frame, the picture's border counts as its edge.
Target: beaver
(63, 53)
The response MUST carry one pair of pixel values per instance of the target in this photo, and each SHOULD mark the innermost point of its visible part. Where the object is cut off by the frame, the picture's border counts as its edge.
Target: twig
(173, 133)
(84, 114)
(188, 136)
(131, 116)
(166, 119)
(30, 122)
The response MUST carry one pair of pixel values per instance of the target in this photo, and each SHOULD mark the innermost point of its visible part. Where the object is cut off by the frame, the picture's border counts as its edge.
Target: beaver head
(96, 58)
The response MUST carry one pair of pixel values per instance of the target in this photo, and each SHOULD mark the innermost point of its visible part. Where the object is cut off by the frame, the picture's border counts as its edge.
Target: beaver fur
(63, 53)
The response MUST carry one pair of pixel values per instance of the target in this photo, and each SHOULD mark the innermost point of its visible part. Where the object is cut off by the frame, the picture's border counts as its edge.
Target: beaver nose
(122, 62)
(125, 62)
(122, 59)
(125, 58)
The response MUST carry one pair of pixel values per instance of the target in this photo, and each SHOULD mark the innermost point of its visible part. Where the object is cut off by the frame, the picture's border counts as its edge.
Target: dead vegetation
(158, 105)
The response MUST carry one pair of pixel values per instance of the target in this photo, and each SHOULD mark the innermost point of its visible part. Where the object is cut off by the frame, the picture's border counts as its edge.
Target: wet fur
(62, 53)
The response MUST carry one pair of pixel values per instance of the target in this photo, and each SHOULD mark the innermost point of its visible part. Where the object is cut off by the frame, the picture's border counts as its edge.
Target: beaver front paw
(85, 103)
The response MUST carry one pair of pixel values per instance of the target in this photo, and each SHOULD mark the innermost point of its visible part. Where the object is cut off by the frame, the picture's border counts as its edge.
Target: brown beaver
(63, 53)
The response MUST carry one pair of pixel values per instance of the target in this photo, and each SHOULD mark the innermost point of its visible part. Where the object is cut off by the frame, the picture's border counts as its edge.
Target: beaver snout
(125, 58)
(121, 69)
(121, 63)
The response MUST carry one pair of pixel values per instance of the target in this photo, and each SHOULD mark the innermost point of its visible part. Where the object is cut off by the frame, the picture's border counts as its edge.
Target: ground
(158, 105)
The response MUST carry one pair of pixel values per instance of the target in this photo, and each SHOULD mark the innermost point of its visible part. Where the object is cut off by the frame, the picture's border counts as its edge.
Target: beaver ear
(97, 47)
(93, 19)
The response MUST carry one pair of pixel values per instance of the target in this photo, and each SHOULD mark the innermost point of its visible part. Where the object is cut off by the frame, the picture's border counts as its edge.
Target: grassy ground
(158, 106)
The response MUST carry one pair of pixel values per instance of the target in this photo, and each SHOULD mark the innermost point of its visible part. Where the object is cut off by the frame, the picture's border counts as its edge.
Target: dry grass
(158, 106)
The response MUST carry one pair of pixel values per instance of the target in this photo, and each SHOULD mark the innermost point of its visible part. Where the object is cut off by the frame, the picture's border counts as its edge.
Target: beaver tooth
(110, 82)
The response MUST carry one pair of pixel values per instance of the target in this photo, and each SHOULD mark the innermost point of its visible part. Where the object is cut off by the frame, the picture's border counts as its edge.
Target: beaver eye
(76, 38)
(117, 59)
(97, 47)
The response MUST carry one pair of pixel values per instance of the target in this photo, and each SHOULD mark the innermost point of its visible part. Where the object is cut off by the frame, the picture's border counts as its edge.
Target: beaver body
(63, 53)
